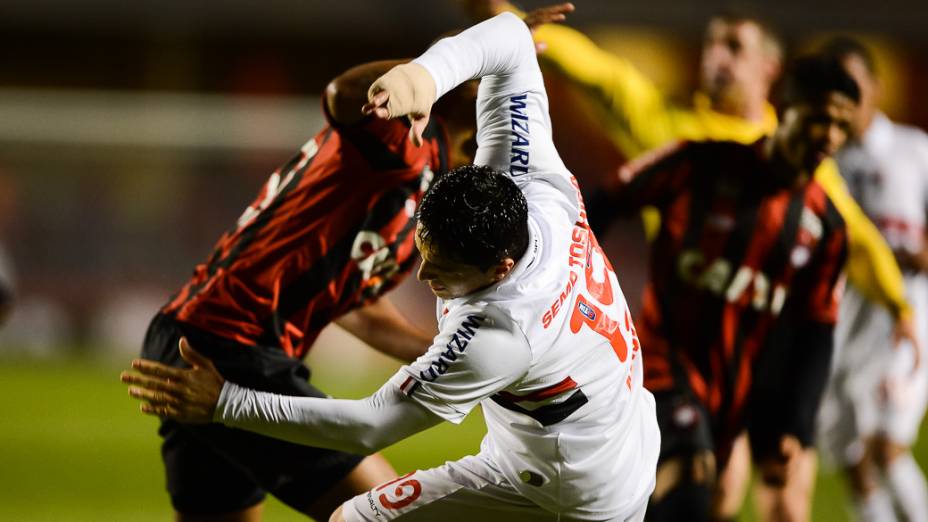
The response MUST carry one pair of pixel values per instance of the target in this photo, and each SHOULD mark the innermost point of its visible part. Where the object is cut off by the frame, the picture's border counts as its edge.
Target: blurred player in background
(744, 268)
(533, 326)
(331, 231)
(6, 286)
(741, 58)
(878, 393)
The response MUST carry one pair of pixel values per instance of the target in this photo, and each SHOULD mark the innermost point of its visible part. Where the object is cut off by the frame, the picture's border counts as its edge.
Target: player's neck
(782, 171)
(746, 108)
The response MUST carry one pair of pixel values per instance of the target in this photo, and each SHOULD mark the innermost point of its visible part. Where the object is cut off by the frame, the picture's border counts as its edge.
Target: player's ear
(502, 269)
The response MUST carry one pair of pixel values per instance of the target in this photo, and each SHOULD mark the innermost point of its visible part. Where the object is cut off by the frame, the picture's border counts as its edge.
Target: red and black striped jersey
(332, 229)
(737, 247)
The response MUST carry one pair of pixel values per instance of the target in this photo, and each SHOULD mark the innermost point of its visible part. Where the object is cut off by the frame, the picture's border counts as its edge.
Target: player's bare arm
(382, 326)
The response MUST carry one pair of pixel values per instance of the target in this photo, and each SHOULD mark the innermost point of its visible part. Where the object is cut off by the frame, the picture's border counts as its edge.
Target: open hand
(904, 330)
(547, 15)
(187, 395)
(482, 9)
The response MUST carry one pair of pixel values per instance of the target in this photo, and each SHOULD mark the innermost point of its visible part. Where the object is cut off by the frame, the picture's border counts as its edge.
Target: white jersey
(872, 388)
(550, 352)
(887, 173)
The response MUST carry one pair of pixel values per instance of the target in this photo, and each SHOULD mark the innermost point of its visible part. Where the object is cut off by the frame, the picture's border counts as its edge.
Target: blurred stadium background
(133, 133)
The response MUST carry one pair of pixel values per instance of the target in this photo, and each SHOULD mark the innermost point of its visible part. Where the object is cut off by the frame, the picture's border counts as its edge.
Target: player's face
(810, 133)
(448, 278)
(736, 65)
(869, 94)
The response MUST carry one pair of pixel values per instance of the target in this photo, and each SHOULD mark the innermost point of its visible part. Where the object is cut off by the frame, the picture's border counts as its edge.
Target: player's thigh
(904, 398)
(465, 490)
(298, 475)
(840, 432)
(371, 472)
(687, 444)
(733, 481)
(202, 483)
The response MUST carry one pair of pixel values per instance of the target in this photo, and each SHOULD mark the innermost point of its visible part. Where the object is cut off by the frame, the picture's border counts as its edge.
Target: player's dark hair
(475, 215)
(810, 79)
(844, 47)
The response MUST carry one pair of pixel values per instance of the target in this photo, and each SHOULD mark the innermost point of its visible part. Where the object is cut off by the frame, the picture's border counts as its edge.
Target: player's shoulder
(479, 314)
(911, 136)
(487, 332)
(908, 132)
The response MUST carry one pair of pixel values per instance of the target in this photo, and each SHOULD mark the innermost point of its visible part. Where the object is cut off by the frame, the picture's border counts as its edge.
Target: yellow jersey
(637, 117)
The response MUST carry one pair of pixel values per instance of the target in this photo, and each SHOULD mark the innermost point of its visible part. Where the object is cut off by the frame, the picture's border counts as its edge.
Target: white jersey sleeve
(478, 351)
(513, 124)
(921, 145)
(357, 426)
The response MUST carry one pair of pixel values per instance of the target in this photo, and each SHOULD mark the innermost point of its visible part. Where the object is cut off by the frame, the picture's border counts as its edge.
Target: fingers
(159, 384)
(416, 129)
(547, 15)
(156, 369)
(155, 397)
(376, 105)
(193, 357)
(160, 410)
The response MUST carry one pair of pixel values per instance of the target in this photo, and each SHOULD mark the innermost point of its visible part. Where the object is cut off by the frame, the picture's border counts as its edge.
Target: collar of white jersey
(511, 283)
(879, 136)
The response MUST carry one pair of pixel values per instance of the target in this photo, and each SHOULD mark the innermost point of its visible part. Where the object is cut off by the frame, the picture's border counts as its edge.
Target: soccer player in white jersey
(877, 396)
(533, 326)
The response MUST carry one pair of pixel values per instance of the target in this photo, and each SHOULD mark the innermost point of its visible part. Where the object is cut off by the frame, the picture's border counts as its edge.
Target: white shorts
(470, 489)
(873, 390)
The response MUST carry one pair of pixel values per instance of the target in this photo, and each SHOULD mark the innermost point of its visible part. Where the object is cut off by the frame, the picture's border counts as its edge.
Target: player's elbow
(335, 100)
(372, 441)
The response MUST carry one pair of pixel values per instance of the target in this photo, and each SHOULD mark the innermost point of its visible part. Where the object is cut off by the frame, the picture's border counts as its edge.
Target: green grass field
(73, 447)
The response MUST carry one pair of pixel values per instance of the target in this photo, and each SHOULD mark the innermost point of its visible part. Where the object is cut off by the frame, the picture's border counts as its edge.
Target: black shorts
(789, 381)
(212, 469)
(684, 423)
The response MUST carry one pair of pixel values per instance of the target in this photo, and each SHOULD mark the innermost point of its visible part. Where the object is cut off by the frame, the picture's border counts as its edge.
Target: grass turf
(74, 447)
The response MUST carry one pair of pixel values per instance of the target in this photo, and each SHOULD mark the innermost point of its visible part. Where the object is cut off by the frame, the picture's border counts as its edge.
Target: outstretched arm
(200, 395)
(513, 125)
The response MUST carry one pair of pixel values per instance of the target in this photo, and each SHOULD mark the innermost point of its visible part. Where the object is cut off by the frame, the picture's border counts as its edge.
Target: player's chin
(442, 292)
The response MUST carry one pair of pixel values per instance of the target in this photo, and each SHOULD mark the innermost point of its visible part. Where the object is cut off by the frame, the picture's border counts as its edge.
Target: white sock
(875, 507)
(907, 483)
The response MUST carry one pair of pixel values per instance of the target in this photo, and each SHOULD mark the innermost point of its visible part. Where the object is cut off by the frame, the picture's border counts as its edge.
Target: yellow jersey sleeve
(871, 266)
(636, 114)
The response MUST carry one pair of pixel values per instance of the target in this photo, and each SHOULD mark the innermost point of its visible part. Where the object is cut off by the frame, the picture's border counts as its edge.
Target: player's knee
(774, 472)
(885, 452)
(685, 501)
(337, 515)
(683, 489)
(860, 476)
(775, 466)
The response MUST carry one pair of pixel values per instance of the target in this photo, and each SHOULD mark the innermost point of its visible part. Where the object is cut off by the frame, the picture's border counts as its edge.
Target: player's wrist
(229, 396)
